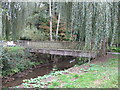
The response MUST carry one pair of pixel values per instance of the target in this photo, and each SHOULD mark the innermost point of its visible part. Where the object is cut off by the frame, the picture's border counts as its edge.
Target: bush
(1, 65)
(34, 34)
(14, 59)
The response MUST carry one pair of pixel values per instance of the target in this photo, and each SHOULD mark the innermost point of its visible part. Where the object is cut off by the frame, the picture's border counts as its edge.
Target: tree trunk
(57, 26)
(50, 20)
(115, 24)
(88, 28)
(0, 22)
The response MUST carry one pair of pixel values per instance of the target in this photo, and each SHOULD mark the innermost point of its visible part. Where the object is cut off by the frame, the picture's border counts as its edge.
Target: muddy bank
(62, 62)
(16, 79)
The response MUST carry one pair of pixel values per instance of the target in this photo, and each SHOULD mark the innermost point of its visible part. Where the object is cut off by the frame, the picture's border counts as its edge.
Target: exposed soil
(36, 71)
(45, 69)
(76, 70)
(94, 61)
(103, 58)
(16, 79)
(97, 82)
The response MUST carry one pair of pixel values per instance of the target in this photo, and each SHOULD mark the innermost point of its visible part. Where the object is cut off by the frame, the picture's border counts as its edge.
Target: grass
(115, 49)
(106, 72)
(100, 75)
(14, 49)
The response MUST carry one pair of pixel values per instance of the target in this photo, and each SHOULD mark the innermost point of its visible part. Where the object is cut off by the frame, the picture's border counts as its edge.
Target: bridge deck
(58, 48)
(66, 52)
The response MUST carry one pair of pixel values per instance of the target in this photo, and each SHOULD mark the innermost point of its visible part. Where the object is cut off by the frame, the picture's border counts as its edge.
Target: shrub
(34, 34)
(1, 65)
(14, 59)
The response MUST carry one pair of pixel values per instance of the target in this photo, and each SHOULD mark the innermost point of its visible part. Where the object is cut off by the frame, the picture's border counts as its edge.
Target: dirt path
(97, 60)
(103, 58)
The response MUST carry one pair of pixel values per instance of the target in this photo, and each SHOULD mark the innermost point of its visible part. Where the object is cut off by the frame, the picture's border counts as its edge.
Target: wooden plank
(58, 48)
(65, 53)
(50, 44)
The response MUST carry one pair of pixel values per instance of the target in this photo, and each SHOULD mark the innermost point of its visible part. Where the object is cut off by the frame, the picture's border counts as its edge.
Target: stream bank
(62, 62)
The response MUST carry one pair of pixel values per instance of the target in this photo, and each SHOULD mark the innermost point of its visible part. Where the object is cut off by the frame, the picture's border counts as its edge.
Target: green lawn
(100, 75)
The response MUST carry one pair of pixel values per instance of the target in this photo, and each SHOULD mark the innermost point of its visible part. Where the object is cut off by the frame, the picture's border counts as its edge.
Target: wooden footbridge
(59, 48)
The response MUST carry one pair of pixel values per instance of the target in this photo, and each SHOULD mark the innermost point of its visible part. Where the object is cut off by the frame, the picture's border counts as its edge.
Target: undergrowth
(14, 59)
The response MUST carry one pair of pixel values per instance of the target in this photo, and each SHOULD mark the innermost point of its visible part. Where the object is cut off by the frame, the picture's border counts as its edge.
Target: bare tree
(50, 20)
(57, 26)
